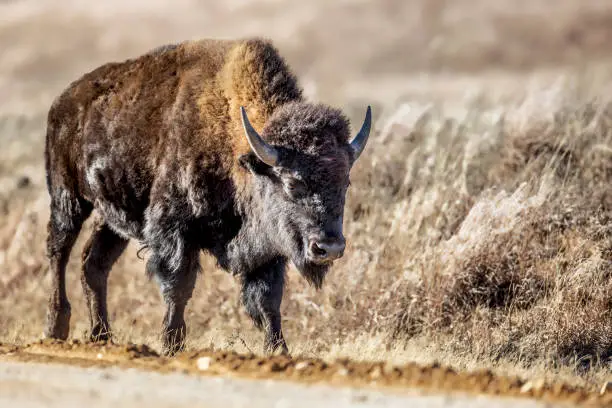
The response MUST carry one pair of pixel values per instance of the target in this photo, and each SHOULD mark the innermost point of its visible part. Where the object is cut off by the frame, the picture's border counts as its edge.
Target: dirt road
(76, 374)
(43, 385)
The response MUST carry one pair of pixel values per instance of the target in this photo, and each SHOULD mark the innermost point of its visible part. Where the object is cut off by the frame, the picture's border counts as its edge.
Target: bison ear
(251, 162)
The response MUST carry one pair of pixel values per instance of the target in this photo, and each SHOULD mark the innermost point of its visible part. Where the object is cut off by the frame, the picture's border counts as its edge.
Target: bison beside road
(165, 148)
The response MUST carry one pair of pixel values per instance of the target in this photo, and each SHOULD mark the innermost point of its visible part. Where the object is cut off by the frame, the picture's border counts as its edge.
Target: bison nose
(326, 250)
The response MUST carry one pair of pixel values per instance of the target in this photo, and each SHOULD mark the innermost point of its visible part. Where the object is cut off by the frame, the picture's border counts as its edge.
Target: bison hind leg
(102, 250)
(68, 212)
(262, 293)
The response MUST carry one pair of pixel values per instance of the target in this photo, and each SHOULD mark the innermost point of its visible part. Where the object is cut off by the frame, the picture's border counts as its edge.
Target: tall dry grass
(497, 226)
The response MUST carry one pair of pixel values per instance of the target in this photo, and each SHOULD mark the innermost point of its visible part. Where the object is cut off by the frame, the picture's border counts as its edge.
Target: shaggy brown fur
(156, 145)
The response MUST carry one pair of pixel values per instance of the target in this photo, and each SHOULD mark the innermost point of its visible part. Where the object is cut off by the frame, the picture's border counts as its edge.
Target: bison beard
(313, 273)
(162, 148)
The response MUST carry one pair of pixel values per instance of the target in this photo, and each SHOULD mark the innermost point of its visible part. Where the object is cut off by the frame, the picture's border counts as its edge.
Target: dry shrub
(526, 277)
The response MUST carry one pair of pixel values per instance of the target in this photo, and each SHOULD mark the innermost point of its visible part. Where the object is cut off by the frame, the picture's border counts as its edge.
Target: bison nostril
(317, 250)
(327, 250)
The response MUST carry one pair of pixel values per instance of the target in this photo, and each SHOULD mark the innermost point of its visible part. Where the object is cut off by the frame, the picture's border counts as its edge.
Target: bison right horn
(359, 142)
(264, 151)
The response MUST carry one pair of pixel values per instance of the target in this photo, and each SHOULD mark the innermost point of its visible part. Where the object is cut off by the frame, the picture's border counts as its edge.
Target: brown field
(479, 222)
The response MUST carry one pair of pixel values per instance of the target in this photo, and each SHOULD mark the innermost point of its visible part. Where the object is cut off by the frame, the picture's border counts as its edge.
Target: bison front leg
(262, 294)
(176, 284)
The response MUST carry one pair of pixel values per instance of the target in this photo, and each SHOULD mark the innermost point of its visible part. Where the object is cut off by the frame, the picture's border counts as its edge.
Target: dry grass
(478, 225)
(512, 236)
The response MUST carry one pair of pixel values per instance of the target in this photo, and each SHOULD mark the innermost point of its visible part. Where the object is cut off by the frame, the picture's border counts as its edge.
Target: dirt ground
(483, 59)
(44, 385)
(49, 377)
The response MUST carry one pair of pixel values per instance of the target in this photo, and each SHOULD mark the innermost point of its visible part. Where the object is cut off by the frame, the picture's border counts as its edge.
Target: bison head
(301, 165)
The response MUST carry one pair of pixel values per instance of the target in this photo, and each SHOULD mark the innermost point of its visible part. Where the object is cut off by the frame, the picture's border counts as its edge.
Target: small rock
(534, 386)
(389, 368)
(359, 398)
(343, 371)
(376, 373)
(99, 356)
(302, 365)
(606, 387)
(203, 363)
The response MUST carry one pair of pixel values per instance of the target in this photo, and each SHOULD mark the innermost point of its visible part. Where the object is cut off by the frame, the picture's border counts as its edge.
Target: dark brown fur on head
(308, 128)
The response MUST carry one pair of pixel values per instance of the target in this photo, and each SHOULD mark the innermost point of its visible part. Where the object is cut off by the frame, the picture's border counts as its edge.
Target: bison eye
(295, 188)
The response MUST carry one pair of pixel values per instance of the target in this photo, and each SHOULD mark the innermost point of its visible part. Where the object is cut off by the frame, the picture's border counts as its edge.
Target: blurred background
(347, 53)
(377, 50)
(462, 90)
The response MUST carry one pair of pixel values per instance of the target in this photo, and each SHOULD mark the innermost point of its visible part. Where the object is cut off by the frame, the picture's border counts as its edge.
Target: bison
(203, 145)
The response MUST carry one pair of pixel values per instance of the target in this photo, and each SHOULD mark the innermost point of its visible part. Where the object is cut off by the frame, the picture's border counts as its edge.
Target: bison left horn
(264, 151)
(359, 142)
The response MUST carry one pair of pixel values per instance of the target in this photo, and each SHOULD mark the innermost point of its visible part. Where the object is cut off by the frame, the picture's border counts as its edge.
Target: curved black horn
(359, 142)
(264, 151)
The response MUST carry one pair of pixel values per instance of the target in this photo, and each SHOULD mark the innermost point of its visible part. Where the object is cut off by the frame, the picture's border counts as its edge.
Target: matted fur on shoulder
(257, 77)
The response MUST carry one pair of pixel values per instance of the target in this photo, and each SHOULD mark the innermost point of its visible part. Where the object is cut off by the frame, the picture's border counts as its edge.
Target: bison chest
(246, 250)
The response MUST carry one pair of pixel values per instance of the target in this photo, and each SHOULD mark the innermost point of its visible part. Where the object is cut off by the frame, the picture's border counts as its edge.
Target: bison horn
(359, 142)
(264, 151)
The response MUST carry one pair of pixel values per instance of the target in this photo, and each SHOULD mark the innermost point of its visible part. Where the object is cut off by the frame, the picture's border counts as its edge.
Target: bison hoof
(170, 349)
(100, 333)
(173, 341)
(278, 347)
(58, 323)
